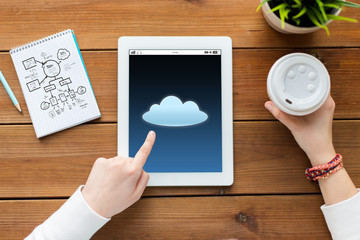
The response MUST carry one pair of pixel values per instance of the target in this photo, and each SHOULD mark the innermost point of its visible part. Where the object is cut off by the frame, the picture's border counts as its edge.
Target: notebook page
(55, 83)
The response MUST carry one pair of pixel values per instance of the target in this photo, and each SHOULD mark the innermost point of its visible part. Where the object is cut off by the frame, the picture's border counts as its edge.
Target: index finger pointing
(143, 153)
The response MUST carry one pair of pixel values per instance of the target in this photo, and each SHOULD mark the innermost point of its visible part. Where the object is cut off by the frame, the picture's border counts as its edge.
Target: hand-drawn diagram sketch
(48, 75)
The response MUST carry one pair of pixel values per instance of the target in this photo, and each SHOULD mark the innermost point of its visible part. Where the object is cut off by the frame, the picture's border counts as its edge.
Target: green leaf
(330, 5)
(297, 21)
(286, 13)
(322, 10)
(334, 17)
(346, 4)
(302, 12)
(318, 15)
(262, 3)
(278, 7)
(282, 17)
(312, 17)
(297, 4)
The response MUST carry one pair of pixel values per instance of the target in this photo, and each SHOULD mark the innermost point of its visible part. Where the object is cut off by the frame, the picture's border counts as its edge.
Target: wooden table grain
(270, 198)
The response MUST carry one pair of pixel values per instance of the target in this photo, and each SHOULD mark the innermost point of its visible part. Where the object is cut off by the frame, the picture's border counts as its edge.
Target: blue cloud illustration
(173, 113)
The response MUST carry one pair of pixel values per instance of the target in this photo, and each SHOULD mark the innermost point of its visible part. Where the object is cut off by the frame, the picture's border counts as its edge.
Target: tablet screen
(176, 93)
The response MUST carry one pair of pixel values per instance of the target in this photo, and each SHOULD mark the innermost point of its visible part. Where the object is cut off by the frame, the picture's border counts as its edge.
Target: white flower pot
(275, 22)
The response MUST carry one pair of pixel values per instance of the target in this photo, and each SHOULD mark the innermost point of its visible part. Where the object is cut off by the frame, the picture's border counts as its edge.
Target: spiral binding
(39, 41)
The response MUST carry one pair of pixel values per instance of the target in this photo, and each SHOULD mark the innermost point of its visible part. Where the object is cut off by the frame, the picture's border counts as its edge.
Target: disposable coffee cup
(298, 84)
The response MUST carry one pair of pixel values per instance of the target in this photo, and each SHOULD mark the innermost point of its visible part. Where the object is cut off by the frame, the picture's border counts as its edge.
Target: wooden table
(270, 198)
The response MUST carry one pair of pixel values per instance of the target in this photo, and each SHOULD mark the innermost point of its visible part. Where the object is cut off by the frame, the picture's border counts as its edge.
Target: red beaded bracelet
(340, 166)
(325, 170)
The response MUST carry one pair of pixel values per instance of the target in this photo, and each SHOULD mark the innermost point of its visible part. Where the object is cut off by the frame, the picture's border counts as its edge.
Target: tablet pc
(180, 87)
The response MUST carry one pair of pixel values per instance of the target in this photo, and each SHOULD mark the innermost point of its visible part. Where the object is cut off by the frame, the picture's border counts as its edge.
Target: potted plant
(303, 16)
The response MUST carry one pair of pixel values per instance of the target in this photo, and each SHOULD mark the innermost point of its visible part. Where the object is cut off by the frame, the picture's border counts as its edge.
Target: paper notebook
(55, 83)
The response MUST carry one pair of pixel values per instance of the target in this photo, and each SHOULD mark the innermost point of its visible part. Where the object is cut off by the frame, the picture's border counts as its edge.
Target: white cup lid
(298, 83)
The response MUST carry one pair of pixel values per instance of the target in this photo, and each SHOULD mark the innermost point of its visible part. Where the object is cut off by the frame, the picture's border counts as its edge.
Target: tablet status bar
(174, 52)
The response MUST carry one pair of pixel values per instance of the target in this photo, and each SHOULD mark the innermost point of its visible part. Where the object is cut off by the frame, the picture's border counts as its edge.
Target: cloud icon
(173, 113)
(63, 54)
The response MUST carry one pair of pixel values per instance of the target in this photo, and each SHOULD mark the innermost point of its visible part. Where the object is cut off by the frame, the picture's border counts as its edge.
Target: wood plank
(251, 67)
(98, 24)
(262, 217)
(266, 159)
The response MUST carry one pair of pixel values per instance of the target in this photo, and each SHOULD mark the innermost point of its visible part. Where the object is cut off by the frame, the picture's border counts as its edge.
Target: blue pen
(9, 91)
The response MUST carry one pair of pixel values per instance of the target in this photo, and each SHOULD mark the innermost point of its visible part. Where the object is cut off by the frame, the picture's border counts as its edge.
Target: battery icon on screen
(215, 52)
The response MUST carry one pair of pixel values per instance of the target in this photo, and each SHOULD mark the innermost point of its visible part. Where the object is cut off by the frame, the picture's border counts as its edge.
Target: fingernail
(151, 133)
(268, 106)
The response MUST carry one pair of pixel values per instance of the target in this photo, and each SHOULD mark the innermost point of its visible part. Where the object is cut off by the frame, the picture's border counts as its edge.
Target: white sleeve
(343, 218)
(75, 219)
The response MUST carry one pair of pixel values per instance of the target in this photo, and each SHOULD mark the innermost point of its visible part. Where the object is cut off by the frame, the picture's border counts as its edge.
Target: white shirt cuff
(343, 218)
(75, 219)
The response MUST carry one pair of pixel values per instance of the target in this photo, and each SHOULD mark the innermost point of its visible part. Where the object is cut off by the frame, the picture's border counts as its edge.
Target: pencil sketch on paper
(59, 92)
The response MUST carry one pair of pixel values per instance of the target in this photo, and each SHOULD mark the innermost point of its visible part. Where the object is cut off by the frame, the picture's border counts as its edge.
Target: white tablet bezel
(224, 178)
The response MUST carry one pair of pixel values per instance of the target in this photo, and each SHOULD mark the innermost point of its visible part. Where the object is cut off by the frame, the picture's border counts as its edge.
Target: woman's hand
(116, 183)
(312, 132)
